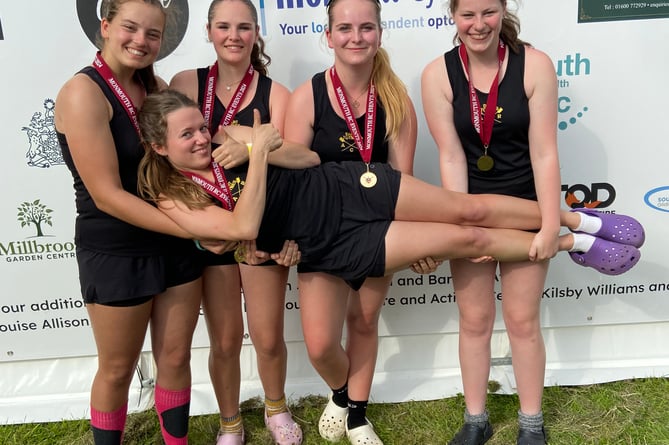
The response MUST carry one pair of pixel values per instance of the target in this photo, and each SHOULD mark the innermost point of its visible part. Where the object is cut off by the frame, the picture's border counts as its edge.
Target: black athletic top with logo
(332, 139)
(509, 146)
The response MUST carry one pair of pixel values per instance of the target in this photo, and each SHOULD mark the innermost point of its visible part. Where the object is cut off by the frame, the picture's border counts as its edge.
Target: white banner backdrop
(612, 134)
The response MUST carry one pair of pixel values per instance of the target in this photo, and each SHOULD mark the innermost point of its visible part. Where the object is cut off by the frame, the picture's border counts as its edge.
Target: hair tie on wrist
(198, 245)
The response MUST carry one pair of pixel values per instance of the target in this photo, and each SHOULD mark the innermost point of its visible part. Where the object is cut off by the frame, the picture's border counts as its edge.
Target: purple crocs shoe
(608, 257)
(618, 228)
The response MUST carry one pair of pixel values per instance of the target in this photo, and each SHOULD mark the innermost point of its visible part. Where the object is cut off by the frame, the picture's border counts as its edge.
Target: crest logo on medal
(88, 12)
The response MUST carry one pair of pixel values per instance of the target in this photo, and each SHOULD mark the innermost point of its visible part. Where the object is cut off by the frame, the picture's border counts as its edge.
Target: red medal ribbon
(108, 75)
(364, 147)
(218, 190)
(235, 101)
(485, 130)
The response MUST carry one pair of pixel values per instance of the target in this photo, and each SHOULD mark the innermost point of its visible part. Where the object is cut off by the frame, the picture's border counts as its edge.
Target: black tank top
(332, 139)
(509, 146)
(94, 229)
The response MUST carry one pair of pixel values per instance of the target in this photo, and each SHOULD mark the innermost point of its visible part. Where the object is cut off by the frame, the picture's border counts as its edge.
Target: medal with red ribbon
(483, 123)
(365, 147)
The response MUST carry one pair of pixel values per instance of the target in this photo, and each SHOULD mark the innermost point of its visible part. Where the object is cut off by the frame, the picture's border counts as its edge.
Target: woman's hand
(230, 153)
(264, 137)
(425, 266)
(544, 246)
(289, 256)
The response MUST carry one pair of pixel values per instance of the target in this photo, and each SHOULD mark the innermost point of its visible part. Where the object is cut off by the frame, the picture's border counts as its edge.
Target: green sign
(608, 10)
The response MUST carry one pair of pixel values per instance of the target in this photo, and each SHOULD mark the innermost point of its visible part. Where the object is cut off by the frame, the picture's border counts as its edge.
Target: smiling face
(132, 37)
(233, 31)
(354, 31)
(187, 141)
(478, 23)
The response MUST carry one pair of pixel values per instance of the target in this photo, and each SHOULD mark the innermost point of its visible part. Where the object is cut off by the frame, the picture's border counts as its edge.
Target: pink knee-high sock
(173, 410)
(108, 427)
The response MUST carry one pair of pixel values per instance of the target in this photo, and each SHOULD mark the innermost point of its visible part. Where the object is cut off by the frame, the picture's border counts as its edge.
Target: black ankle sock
(357, 410)
(106, 437)
(340, 396)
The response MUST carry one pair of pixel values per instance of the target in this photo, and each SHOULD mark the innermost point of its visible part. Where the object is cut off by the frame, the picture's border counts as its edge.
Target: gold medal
(368, 179)
(240, 254)
(485, 163)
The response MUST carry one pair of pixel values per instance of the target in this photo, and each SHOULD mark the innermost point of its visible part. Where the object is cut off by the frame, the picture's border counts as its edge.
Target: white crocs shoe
(332, 424)
(363, 435)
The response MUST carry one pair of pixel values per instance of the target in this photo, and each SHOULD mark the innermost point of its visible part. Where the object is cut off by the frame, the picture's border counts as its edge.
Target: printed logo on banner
(597, 195)
(89, 18)
(405, 21)
(567, 69)
(34, 216)
(44, 150)
(658, 198)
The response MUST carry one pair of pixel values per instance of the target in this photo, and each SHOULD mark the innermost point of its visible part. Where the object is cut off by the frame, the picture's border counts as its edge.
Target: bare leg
(223, 313)
(265, 295)
(522, 286)
(173, 320)
(117, 353)
(362, 324)
(419, 201)
(407, 242)
(474, 285)
(323, 309)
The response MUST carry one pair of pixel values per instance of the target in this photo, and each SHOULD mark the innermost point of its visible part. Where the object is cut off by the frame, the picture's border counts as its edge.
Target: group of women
(338, 200)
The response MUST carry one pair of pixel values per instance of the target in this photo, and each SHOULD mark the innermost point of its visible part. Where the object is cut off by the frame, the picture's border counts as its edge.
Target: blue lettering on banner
(572, 65)
(293, 4)
(314, 27)
(658, 199)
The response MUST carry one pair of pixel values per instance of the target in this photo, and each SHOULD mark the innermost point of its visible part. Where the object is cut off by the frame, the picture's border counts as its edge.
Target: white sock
(588, 224)
(582, 242)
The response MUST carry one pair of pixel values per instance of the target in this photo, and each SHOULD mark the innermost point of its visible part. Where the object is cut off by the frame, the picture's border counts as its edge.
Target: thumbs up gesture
(264, 137)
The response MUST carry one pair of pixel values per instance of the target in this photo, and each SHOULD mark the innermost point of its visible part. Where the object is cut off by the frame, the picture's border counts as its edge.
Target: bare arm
(291, 154)
(243, 223)
(438, 108)
(541, 89)
(402, 150)
(83, 114)
(185, 82)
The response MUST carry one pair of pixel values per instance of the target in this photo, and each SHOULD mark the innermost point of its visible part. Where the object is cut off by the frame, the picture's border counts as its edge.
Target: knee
(176, 359)
(476, 324)
(322, 350)
(270, 346)
(116, 373)
(524, 328)
(225, 348)
(362, 325)
(474, 212)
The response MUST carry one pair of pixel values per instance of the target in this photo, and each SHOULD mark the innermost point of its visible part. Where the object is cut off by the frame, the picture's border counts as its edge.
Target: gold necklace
(228, 86)
(356, 102)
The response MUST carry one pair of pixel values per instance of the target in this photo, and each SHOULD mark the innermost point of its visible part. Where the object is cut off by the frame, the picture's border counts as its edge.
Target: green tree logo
(34, 213)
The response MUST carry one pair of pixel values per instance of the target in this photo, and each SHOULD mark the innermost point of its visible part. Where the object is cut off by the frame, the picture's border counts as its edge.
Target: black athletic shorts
(129, 281)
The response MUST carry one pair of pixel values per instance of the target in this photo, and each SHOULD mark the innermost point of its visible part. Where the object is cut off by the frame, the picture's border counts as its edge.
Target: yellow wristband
(249, 146)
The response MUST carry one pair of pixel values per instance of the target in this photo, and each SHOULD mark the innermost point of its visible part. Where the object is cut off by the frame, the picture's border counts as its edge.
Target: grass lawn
(629, 412)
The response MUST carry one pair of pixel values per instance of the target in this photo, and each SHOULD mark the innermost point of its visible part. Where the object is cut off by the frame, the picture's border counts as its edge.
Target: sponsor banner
(606, 10)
